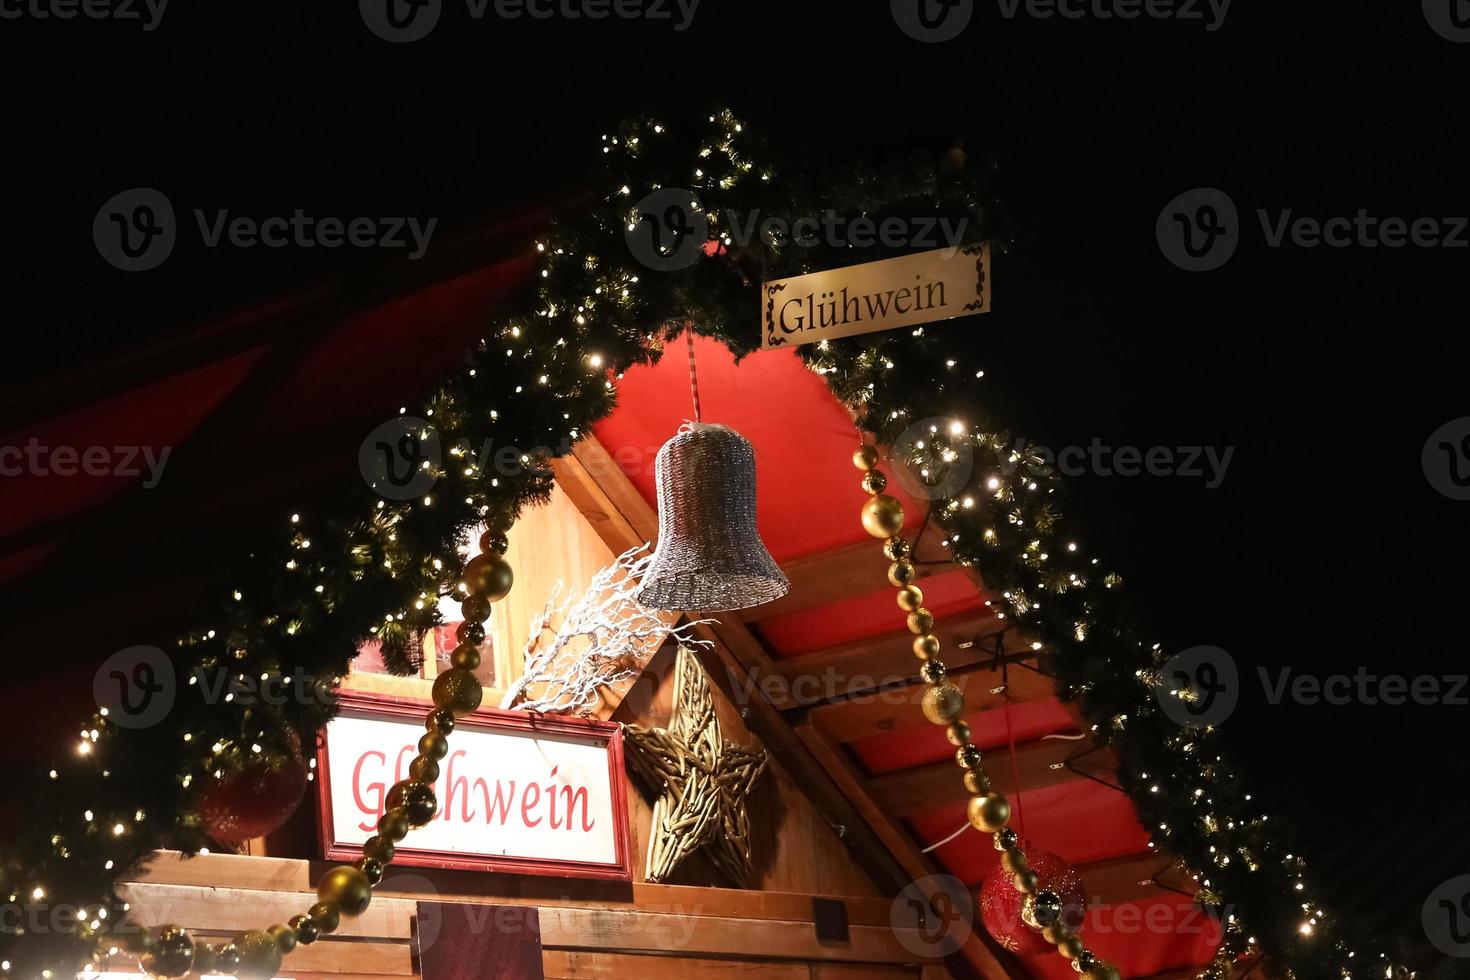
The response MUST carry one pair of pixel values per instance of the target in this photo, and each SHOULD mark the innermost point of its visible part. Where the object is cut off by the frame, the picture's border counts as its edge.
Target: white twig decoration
(576, 648)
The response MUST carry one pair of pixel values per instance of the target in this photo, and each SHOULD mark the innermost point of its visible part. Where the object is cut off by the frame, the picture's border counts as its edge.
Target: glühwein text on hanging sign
(886, 295)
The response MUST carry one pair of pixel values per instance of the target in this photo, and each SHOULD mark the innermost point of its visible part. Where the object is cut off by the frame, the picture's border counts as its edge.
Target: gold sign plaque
(885, 295)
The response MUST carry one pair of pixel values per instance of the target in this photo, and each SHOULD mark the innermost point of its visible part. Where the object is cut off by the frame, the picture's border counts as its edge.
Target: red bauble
(1001, 904)
(255, 800)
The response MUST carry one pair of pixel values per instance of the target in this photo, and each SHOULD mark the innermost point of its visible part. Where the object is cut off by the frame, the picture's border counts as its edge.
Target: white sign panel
(518, 792)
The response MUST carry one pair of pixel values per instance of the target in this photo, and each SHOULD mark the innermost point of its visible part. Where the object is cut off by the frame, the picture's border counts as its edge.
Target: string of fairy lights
(297, 606)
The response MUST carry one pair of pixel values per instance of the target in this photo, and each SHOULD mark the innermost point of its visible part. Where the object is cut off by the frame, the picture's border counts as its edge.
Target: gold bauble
(394, 824)
(379, 848)
(466, 655)
(306, 930)
(1026, 882)
(989, 812)
(372, 869)
(171, 954)
(921, 621)
(417, 800)
(488, 575)
(475, 608)
(206, 960)
(943, 703)
(865, 458)
(325, 917)
(1104, 971)
(883, 516)
(226, 960)
(896, 548)
(458, 690)
(284, 936)
(260, 956)
(875, 483)
(1056, 932)
(977, 782)
(434, 745)
(902, 573)
(926, 646)
(910, 598)
(494, 542)
(424, 769)
(958, 734)
(469, 634)
(1071, 947)
(440, 721)
(346, 888)
(1014, 860)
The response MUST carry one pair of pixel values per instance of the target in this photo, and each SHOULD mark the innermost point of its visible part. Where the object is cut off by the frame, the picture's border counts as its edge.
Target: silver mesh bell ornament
(710, 556)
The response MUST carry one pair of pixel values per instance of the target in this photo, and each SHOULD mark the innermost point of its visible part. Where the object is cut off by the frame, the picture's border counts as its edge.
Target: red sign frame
(489, 720)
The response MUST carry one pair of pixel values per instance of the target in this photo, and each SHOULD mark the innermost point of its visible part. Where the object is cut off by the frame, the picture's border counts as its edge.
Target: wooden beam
(295, 875)
(853, 569)
(896, 709)
(707, 936)
(1134, 878)
(871, 663)
(1040, 764)
(385, 929)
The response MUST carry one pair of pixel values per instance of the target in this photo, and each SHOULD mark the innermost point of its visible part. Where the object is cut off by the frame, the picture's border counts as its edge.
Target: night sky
(1323, 369)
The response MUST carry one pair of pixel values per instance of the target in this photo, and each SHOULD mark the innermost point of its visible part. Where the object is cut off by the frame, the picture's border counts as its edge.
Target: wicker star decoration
(701, 780)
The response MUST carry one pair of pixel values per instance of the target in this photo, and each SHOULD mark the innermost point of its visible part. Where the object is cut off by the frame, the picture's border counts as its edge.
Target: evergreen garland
(301, 606)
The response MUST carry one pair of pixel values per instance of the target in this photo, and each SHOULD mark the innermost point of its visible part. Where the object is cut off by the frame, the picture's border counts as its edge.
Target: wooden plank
(632, 932)
(1040, 764)
(336, 958)
(587, 965)
(290, 874)
(325, 957)
(622, 509)
(227, 909)
(1134, 878)
(583, 489)
(261, 873)
(853, 569)
(868, 664)
(896, 709)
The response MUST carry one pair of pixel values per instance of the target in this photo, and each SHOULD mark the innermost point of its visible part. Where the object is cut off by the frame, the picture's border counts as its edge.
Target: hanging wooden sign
(904, 292)
(519, 792)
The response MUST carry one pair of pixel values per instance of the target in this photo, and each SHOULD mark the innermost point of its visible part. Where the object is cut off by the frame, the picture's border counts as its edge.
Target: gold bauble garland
(944, 704)
(411, 803)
